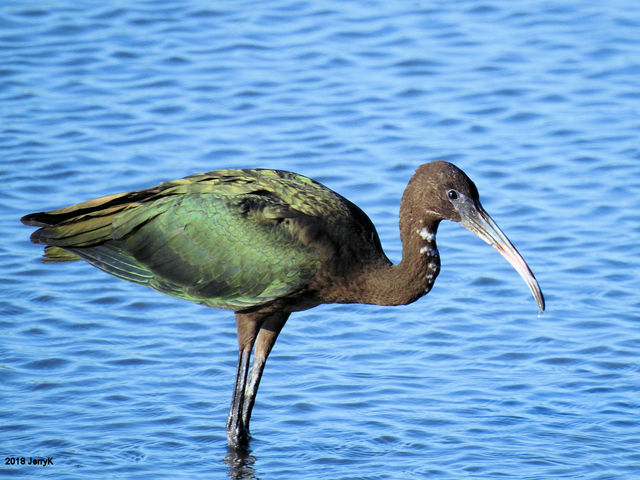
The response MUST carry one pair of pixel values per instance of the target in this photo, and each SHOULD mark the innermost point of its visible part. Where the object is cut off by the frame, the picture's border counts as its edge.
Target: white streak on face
(429, 278)
(426, 234)
(432, 252)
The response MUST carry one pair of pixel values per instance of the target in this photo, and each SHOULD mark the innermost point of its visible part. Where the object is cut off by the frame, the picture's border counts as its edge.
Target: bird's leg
(237, 431)
(266, 338)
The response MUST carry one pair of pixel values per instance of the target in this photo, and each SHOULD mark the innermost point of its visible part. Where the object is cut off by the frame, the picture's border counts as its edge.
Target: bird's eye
(452, 194)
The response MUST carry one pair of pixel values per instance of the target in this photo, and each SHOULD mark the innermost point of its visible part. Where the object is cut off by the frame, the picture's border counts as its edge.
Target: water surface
(537, 101)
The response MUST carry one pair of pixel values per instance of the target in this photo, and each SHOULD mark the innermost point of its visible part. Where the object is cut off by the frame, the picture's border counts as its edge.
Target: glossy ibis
(265, 243)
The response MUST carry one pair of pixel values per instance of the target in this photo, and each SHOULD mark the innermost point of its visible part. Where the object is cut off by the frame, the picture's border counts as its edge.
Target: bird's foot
(238, 437)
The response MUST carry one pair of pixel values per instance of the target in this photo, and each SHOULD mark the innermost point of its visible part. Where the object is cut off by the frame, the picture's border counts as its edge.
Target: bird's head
(442, 190)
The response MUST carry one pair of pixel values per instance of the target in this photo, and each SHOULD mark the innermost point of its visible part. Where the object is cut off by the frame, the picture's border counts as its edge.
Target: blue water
(537, 101)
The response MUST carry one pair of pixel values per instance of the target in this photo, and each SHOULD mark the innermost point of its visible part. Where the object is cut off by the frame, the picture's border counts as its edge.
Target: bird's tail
(57, 254)
(88, 231)
(85, 224)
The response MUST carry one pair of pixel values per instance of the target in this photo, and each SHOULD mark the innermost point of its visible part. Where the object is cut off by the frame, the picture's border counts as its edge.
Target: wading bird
(266, 243)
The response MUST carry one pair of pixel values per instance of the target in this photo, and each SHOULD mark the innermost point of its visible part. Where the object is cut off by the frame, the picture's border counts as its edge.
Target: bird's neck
(413, 277)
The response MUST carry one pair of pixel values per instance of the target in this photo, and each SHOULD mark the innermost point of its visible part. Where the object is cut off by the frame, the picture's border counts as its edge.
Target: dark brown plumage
(266, 243)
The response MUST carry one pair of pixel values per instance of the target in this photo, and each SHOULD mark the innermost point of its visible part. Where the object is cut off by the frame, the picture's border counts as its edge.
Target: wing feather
(229, 239)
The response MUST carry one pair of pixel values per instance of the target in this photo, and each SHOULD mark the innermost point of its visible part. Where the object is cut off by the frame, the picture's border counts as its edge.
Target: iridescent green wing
(226, 252)
(230, 239)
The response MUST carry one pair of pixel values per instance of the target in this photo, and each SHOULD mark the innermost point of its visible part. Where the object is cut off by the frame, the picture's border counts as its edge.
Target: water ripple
(537, 102)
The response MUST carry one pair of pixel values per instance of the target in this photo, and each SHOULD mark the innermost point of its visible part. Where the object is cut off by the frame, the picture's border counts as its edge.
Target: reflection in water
(240, 463)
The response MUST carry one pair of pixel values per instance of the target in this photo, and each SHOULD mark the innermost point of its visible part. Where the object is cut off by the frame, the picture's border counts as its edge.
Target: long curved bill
(475, 219)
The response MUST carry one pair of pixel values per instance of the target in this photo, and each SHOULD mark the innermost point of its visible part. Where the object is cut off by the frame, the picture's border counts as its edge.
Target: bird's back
(231, 239)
